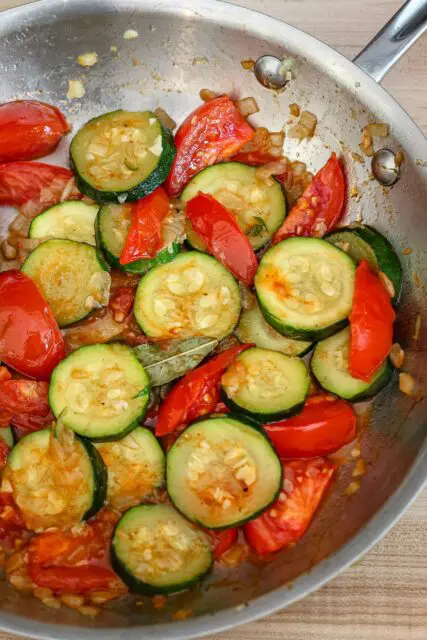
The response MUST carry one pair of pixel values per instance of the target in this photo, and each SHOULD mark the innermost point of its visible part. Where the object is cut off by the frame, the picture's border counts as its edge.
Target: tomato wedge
(144, 238)
(221, 541)
(30, 339)
(223, 237)
(324, 425)
(34, 186)
(317, 211)
(371, 324)
(11, 522)
(258, 150)
(69, 563)
(24, 404)
(214, 132)
(283, 524)
(29, 129)
(196, 394)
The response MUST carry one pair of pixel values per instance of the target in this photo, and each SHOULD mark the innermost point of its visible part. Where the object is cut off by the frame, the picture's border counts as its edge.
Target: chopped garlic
(113, 48)
(130, 34)
(88, 59)
(75, 89)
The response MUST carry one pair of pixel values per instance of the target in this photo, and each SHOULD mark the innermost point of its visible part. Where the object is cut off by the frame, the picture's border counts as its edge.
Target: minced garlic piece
(88, 59)
(130, 34)
(75, 89)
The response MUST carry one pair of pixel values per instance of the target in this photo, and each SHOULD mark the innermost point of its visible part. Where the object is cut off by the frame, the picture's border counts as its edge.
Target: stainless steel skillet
(184, 46)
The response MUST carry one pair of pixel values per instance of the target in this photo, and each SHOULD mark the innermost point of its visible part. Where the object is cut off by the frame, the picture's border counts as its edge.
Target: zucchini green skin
(381, 257)
(139, 266)
(374, 388)
(99, 479)
(259, 416)
(300, 334)
(144, 188)
(139, 586)
(257, 426)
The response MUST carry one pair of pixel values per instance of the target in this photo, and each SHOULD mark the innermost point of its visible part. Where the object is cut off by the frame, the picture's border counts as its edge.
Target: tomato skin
(196, 394)
(212, 133)
(12, 524)
(309, 480)
(324, 425)
(222, 541)
(371, 324)
(222, 236)
(29, 129)
(34, 186)
(30, 339)
(144, 238)
(24, 404)
(317, 211)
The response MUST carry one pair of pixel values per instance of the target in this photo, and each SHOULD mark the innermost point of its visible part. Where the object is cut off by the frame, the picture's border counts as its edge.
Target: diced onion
(305, 127)
(367, 144)
(378, 129)
(9, 252)
(397, 355)
(247, 106)
(387, 283)
(165, 118)
(417, 328)
(67, 189)
(19, 225)
(294, 109)
(248, 65)
(277, 138)
(407, 385)
(88, 59)
(75, 89)
(274, 168)
(206, 95)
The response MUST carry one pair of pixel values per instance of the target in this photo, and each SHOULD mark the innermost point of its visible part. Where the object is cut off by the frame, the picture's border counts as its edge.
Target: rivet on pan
(270, 72)
(384, 167)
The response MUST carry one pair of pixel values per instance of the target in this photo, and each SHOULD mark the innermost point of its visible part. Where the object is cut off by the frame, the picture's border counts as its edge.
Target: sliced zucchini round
(104, 389)
(305, 288)
(6, 434)
(154, 550)
(259, 208)
(70, 275)
(365, 243)
(329, 365)
(135, 465)
(266, 385)
(223, 471)
(121, 155)
(253, 329)
(192, 296)
(70, 220)
(54, 485)
(112, 226)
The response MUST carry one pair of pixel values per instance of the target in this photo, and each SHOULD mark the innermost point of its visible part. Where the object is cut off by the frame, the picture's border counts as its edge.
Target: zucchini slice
(305, 288)
(329, 365)
(192, 296)
(104, 389)
(71, 277)
(112, 226)
(55, 486)
(253, 329)
(121, 155)
(365, 243)
(259, 208)
(71, 220)
(223, 471)
(6, 434)
(154, 550)
(135, 465)
(266, 385)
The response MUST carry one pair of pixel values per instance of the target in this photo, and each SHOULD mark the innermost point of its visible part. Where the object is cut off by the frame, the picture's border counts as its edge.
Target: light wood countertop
(384, 596)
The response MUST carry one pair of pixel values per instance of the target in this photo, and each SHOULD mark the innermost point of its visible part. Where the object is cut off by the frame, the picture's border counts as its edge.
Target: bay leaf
(170, 359)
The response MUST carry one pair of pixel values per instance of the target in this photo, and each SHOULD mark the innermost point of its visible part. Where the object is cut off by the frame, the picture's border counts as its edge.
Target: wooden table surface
(383, 597)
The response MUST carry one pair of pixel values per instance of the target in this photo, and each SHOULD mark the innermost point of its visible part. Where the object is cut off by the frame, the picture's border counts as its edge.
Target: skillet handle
(394, 39)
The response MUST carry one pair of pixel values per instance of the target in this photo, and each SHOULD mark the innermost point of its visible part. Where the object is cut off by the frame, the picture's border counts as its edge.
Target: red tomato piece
(196, 394)
(371, 324)
(29, 129)
(34, 186)
(24, 404)
(214, 132)
(283, 524)
(257, 150)
(144, 238)
(223, 237)
(11, 522)
(4, 374)
(324, 425)
(30, 339)
(121, 302)
(222, 541)
(317, 211)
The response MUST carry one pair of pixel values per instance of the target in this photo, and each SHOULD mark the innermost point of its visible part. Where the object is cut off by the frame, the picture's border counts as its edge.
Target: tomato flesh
(29, 129)
(212, 133)
(371, 324)
(144, 238)
(283, 524)
(324, 426)
(30, 339)
(24, 404)
(223, 237)
(319, 208)
(222, 541)
(196, 394)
